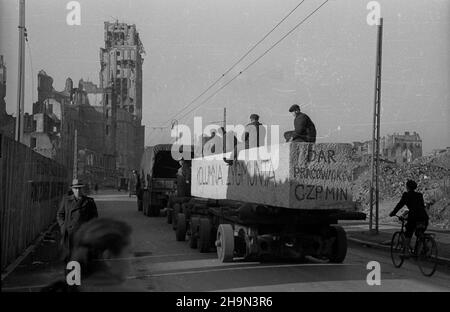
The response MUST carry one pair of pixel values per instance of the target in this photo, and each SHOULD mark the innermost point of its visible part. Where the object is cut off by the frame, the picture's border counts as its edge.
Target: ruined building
(121, 80)
(7, 122)
(402, 148)
(398, 148)
(56, 116)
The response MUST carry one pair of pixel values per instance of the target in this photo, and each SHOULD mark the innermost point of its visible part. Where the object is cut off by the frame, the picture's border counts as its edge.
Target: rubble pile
(440, 160)
(433, 181)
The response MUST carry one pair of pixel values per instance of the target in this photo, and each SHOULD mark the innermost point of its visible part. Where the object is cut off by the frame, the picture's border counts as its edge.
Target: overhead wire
(238, 61)
(256, 60)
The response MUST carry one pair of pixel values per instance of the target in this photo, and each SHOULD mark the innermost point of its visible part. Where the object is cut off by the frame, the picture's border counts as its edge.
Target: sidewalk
(358, 232)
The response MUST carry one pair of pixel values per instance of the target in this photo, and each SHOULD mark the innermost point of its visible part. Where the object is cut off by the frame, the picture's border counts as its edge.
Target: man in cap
(255, 133)
(74, 210)
(305, 131)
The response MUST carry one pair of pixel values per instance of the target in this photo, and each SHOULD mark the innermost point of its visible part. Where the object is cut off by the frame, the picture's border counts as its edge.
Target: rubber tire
(175, 212)
(193, 238)
(169, 215)
(180, 233)
(225, 243)
(156, 211)
(204, 235)
(395, 237)
(339, 246)
(145, 203)
(430, 242)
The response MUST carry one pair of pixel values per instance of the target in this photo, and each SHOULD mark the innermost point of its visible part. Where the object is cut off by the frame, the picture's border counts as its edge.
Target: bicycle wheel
(397, 243)
(427, 254)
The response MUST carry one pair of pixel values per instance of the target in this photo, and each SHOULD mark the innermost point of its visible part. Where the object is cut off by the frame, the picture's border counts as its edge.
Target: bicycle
(425, 249)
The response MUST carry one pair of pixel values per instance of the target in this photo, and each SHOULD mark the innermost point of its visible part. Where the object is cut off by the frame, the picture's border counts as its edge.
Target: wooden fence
(31, 187)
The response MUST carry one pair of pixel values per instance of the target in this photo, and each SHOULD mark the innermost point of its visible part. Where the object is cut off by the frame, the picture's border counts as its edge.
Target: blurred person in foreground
(102, 247)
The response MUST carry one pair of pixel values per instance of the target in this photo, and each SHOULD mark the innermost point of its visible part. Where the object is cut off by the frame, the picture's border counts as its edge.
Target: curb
(441, 260)
(11, 267)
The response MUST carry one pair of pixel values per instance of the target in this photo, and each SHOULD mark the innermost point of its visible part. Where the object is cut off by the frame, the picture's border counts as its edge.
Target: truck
(158, 174)
(260, 205)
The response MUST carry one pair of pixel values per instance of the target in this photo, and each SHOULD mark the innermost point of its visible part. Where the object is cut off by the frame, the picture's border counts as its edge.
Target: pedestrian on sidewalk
(74, 210)
(417, 214)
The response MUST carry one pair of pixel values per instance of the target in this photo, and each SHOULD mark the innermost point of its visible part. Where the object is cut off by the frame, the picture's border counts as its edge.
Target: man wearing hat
(255, 133)
(305, 131)
(74, 210)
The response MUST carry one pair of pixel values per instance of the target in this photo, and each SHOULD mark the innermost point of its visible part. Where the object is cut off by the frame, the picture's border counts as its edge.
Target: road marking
(23, 287)
(242, 268)
(347, 285)
(153, 256)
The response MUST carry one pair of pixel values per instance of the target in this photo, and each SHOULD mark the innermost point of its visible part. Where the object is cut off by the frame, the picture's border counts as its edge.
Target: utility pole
(375, 164)
(75, 156)
(224, 139)
(21, 74)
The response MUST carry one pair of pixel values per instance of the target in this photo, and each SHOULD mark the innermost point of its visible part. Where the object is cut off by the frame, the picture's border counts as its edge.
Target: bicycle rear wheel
(397, 243)
(427, 254)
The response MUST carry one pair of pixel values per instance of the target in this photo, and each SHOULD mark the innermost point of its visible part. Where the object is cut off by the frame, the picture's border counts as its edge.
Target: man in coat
(74, 210)
(305, 131)
(255, 133)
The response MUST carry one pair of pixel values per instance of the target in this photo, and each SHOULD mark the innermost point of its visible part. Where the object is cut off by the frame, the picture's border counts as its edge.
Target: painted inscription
(321, 167)
(319, 192)
(251, 173)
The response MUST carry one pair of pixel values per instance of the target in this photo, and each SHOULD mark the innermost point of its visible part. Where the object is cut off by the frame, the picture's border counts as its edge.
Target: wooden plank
(23, 218)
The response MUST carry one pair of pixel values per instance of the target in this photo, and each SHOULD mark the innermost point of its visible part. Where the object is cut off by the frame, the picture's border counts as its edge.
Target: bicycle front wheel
(397, 243)
(427, 254)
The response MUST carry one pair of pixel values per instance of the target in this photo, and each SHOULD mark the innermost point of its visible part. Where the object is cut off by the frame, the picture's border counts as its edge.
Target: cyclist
(417, 214)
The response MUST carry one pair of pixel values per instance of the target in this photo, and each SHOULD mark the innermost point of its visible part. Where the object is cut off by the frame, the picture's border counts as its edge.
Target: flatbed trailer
(283, 205)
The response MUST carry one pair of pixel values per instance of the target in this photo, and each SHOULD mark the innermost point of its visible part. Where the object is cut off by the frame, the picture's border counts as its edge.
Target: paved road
(163, 264)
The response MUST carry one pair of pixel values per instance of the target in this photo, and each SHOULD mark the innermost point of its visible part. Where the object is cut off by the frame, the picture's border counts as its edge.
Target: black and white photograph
(248, 148)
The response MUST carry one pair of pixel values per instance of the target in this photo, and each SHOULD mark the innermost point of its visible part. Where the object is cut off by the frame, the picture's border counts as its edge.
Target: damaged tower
(121, 79)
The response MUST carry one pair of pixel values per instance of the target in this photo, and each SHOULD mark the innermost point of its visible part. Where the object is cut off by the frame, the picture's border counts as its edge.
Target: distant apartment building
(399, 148)
(121, 62)
(7, 122)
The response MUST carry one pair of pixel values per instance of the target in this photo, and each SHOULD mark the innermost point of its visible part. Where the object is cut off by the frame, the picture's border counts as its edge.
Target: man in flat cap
(305, 131)
(255, 133)
(75, 209)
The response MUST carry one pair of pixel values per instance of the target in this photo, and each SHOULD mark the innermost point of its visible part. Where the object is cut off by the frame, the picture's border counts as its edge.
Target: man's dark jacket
(305, 131)
(72, 214)
(414, 202)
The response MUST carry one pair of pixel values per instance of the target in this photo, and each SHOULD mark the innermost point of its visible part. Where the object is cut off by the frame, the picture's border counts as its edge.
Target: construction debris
(432, 174)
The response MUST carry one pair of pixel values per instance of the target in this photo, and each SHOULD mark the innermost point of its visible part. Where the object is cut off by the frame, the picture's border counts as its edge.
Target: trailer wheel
(169, 215)
(225, 243)
(181, 227)
(145, 203)
(176, 210)
(204, 237)
(156, 210)
(339, 249)
(193, 239)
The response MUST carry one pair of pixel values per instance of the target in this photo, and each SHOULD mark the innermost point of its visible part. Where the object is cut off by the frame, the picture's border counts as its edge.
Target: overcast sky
(327, 64)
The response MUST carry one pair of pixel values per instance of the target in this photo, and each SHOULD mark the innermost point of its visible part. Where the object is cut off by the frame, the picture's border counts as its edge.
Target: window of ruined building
(131, 109)
(33, 143)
